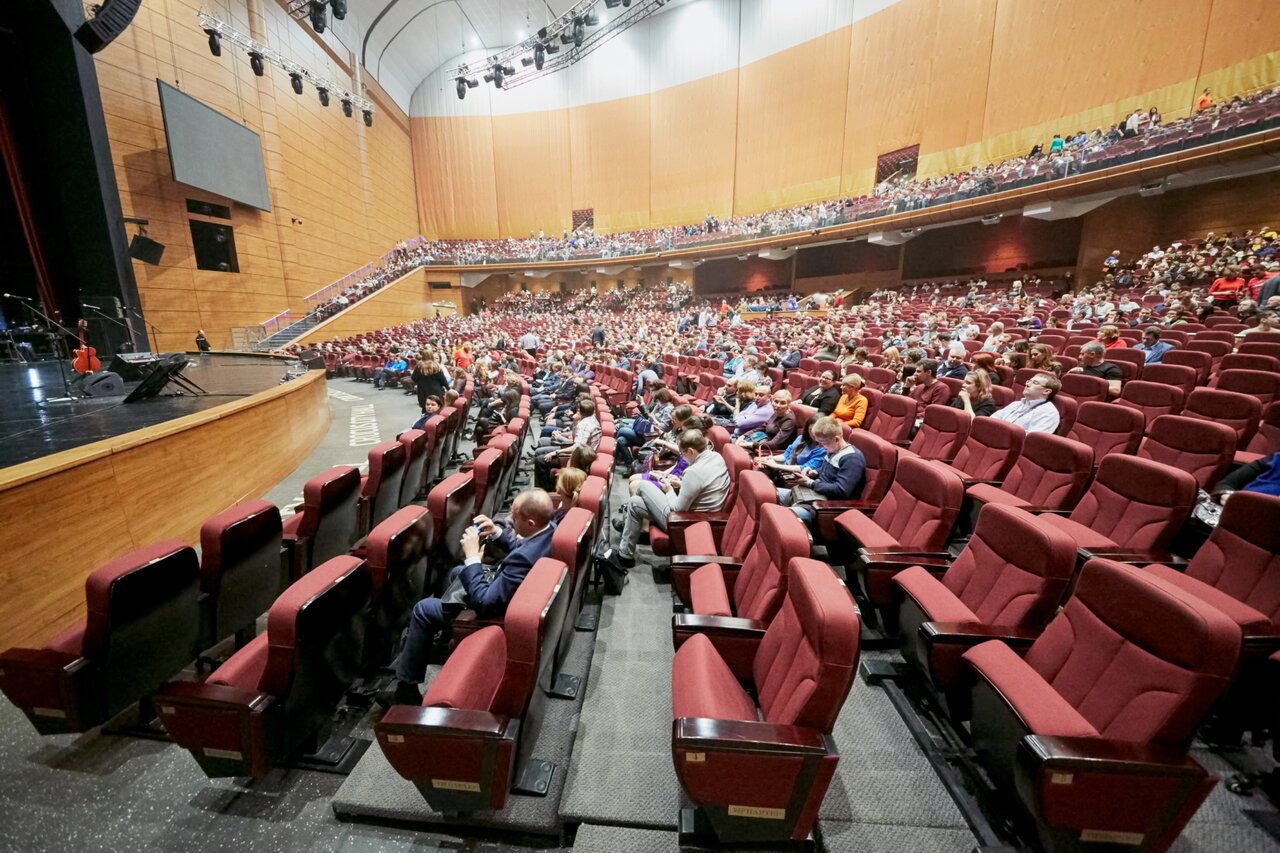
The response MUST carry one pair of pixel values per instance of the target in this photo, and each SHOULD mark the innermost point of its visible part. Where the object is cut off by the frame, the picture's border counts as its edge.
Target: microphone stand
(150, 326)
(62, 359)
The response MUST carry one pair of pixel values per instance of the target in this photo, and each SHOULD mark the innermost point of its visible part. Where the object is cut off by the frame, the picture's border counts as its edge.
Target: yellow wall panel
(609, 147)
(457, 190)
(694, 145)
(531, 167)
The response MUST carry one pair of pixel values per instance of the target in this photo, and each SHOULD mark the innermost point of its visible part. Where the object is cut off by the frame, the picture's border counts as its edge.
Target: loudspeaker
(145, 249)
(311, 359)
(104, 383)
(159, 375)
(110, 20)
(132, 366)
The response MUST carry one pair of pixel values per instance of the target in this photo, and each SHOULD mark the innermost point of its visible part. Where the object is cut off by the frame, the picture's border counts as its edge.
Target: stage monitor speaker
(104, 383)
(132, 367)
(311, 359)
(145, 249)
(159, 375)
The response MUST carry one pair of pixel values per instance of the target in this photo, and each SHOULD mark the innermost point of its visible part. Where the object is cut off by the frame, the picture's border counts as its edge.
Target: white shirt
(1031, 415)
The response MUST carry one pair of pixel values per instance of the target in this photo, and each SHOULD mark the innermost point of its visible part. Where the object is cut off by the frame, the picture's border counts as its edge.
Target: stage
(34, 425)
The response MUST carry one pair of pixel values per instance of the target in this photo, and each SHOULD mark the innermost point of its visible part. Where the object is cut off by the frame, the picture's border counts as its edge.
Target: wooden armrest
(686, 519)
(1098, 755)
(412, 720)
(701, 733)
(724, 625)
(1045, 511)
(695, 560)
(973, 633)
(898, 550)
(198, 694)
(1137, 558)
(841, 506)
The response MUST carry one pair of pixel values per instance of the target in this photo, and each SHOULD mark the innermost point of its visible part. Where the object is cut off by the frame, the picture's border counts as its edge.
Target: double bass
(86, 357)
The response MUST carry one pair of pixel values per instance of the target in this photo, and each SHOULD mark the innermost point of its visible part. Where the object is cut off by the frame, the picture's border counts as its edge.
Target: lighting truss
(624, 19)
(274, 57)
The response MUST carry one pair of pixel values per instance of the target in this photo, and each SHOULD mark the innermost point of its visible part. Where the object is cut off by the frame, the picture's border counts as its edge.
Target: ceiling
(401, 42)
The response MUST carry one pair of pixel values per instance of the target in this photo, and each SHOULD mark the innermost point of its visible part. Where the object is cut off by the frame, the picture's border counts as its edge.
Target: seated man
(1152, 347)
(925, 387)
(837, 478)
(560, 445)
(1035, 412)
(488, 589)
(702, 488)
(955, 368)
(389, 372)
(1092, 363)
(754, 417)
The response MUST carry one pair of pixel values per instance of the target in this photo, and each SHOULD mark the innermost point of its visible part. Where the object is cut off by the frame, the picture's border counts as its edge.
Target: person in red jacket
(1226, 291)
(1110, 337)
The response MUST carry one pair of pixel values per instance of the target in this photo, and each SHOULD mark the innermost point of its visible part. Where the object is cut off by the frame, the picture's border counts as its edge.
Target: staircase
(288, 333)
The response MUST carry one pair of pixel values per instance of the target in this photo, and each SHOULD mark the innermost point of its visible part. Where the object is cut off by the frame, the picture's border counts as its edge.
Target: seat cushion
(471, 677)
(1252, 622)
(864, 531)
(1083, 536)
(1042, 709)
(699, 539)
(659, 541)
(708, 593)
(938, 603)
(70, 641)
(990, 494)
(703, 686)
(244, 669)
(292, 524)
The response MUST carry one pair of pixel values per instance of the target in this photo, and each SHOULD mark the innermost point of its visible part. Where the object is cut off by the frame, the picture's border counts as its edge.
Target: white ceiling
(401, 42)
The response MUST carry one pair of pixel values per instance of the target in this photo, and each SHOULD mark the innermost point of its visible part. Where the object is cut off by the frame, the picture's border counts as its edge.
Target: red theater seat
(1089, 731)
(396, 558)
(1052, 473)
(758, 768)
(481, 714)
(1006, 583)
(140, 629)
(895, 418)
(1108, 428)
(990, 451)
(325, 525)
(1266, 440)
(1262, 384)
(415, 454)
(1204, 449)
(1151, 399)
(671, 541)
(941, 434)
(1241, 412)
(380, 488)
(738, 532)
(274, 699)
(241, 570)
(451, 503)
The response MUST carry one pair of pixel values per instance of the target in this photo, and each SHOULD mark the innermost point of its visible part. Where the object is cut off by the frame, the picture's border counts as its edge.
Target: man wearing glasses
(1035, 412)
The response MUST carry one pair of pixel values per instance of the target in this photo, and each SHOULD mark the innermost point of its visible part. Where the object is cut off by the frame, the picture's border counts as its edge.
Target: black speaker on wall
(145, 249)
(110, 19)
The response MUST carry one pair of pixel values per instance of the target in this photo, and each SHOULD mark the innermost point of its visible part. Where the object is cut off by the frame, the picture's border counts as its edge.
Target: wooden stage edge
(68, 513)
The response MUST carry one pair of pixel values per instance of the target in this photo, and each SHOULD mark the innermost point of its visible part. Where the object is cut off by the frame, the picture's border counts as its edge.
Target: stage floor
(32, 425)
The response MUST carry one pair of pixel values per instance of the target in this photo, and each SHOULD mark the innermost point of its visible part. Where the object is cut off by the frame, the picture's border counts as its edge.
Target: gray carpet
(593, 838)
(375, 791)
(1221, 824)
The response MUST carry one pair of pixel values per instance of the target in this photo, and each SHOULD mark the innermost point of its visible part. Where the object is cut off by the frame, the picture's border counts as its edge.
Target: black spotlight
(462, 88)
(368, 117)
(566, 37)
(591, 20)
(255, 62)
(498, 73)
(526, 61)
(552, 47)
(539, 56)
(324, 96)
(579, 33)
(318, 15)
(339, 9)
(215, 42)
(346, 107)
(295, 80)
(542, 34)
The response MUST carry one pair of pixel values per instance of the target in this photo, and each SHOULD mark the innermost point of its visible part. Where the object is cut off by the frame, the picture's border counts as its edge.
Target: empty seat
(990, 451)
(241, 570)
(1266, 440)
(941, 433)
(1083, 388)
(139, 630)
(1108, 428)
(1200, 362)
(740, 758)
(1007, 582)
(1133, 506)
(380, 488)
(1202, 448)
(738, 526)
(415, 454)
(1051, 473)
(1241, 412)
(1263, 384)
(396, 558)
(481, 714)
(1180, 376)
(451, 503)
(1088, 731)
(1249, 361)
(325, 525)
(895, 418)
(487, 474)
(1152, 399)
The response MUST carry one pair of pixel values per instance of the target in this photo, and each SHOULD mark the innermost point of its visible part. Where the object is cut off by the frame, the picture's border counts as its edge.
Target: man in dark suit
(489, 589)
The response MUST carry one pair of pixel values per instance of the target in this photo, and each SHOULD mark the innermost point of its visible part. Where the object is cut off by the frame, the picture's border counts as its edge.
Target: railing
(276, 323)
(329, 291)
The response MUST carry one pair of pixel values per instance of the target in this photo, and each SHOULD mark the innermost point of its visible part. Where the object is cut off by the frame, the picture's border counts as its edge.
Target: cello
(86, 357)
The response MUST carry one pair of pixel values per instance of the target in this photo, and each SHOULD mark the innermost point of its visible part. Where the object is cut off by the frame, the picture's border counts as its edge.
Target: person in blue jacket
(489, 589)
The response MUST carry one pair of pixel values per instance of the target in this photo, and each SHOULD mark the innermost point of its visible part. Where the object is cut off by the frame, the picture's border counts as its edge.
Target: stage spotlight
(539, 56)
(508, 69)
(566, 37)
(498, 73)
(526, 61)
(579, 33)
(462, 88)
(324, 96)
(552, 47)
(542, 34)
(612, 4)
(255, 62)
(346, 107)
(591, 19)
(339, 9)
(318, 15)
(368, 117)
(215, 42)
(295, 80)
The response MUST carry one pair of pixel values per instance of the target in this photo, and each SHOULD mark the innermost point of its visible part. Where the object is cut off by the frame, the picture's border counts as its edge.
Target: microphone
(93, 307)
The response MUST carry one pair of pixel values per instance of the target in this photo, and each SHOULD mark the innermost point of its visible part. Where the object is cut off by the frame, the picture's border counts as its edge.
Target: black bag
(611, 575)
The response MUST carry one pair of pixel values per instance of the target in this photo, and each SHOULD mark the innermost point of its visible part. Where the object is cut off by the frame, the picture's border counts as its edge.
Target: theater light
(324, 96)
(461, 87)
(346, 107)
(539, 56)
(215, 42)
(255, 62)
(318, 16)
(368, 118)
(339, 9)
(295, 80)
(579, 33)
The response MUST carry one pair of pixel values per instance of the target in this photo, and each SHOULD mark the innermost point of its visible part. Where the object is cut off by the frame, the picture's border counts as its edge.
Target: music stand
(167, 369)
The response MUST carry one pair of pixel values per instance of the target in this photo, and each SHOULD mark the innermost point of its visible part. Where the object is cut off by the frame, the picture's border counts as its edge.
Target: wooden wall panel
(404, 301)
(532, 172)
(694, 150)
(609, 148)
(149, 485)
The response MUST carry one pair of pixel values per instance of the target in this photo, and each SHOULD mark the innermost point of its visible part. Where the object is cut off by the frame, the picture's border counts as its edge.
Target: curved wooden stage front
(65, 514)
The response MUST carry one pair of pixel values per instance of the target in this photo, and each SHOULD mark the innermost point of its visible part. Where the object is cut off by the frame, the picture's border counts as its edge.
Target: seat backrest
(1083, 388)
(142, 619)
(1249, 361)
(329, 512)
(314, 641)
(1138, 658)
(736, 460)
(382, 486)
(1200, 362)
(1137, 503)
(1241, 412)
(571, 543)
(396, 555)
(1267, 438)
(881, 460)
(740, 529)
(1151, 399)
(895, 416)
(761, 584)
(487, 472)
(991, 450)
(805, 663)
(719, 437)
(942, 433)
(1242, 555)
(1178, 375)
(240, 565)
(1108, 428)
(1263, 384)
(1067, 407)
(922, 504)
(415, 446)
(1202, 448)
(437, 430)
(1052, 471)
(532, 626)
(452, 506)
(1014, 570)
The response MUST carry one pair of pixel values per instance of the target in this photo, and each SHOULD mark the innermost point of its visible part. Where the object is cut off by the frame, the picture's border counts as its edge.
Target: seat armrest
(230, 731)
(973, 633)
(678, 522)
(58, 691)
(1136, 558)
(695, 560)
(736, 639)
(703, 733)
(1038, 510)
(1099, 755)
(412, 719)
(841, 506)
(906, 550)
(203, 694)
(1260, 645)
(973, 481)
